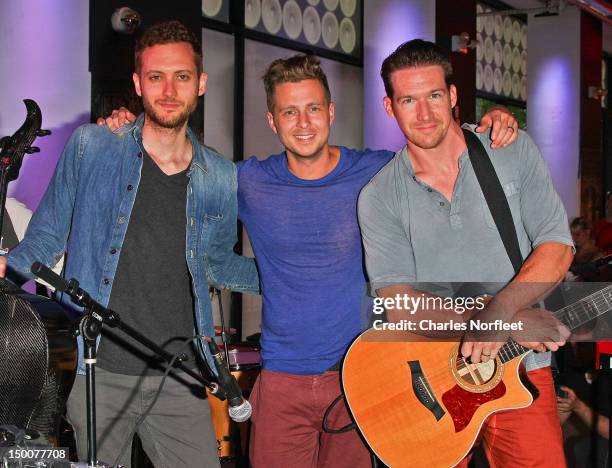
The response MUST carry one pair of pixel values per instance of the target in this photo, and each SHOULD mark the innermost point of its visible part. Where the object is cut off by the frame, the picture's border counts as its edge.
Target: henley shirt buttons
(121, 220)
(129, 187)
(441, 203)
(106, 281)
(113, 251)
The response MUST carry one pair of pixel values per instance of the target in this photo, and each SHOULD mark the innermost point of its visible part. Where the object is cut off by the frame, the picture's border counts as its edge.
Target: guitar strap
(495, 197)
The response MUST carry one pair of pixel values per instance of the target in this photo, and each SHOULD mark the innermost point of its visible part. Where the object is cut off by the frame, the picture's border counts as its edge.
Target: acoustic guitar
(422, 404)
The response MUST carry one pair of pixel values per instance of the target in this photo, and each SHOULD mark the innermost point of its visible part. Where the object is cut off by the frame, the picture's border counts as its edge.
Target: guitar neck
(572, 316)
(586, 309)
(511, 350)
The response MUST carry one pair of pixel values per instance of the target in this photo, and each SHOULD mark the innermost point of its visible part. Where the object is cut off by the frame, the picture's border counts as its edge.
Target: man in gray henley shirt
(424, 219)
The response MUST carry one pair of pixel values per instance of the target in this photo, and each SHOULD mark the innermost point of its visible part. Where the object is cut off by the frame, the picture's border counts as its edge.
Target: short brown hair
(293, 69)
(168, 32)
(415, 53)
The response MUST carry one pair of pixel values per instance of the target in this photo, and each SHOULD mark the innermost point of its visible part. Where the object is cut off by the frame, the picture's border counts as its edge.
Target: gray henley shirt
(413, 234)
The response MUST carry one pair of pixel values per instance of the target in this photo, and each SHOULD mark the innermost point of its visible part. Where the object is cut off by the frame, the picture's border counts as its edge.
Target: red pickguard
(462, 404)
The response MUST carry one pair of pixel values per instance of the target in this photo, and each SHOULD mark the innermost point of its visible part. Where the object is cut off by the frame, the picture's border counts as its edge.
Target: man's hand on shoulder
(117, 119)
(504, 126)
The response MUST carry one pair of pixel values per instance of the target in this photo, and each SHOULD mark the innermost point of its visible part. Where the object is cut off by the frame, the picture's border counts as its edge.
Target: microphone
(239, 409)
(49, 276)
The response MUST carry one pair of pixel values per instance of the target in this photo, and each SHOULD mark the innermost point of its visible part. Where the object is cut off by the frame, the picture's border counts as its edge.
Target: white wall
(45, 50)
(386, 25)
(553, 96)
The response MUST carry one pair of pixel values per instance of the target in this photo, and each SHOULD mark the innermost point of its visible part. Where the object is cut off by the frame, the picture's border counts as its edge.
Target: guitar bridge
(422, 390)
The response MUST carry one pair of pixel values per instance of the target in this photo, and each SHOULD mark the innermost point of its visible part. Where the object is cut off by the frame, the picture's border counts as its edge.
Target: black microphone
(239, 409)
(49, 276)
(110, 317)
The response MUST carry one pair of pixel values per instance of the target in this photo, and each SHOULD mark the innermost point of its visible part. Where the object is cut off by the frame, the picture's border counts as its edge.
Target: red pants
(528, 437)
(287, 419)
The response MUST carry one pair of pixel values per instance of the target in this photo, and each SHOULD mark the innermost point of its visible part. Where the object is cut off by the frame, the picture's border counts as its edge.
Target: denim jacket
(86, 210)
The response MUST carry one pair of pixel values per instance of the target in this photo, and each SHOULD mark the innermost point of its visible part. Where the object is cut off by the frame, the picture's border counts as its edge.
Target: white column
(553, 99)
(387, 24)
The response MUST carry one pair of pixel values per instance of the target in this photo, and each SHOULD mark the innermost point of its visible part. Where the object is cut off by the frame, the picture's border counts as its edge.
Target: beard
(170, 122)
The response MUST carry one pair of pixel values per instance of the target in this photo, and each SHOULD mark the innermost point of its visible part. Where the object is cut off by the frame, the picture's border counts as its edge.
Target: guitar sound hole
(475, 374)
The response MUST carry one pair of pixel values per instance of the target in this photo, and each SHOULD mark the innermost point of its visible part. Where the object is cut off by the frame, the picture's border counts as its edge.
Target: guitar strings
(586, 309)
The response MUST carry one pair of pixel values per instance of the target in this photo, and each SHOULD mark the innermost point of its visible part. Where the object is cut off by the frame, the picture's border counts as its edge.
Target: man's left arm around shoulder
(504, 126)
(225, 269)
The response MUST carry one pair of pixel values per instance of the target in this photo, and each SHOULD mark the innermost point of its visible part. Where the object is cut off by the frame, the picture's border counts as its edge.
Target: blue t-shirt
(308, 249)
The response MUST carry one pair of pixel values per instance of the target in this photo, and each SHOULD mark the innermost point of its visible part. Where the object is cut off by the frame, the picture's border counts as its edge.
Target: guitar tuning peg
(32, 149)
(41, 133)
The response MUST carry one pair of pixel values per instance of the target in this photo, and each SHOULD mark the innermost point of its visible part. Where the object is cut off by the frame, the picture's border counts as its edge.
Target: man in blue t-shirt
(300, 211)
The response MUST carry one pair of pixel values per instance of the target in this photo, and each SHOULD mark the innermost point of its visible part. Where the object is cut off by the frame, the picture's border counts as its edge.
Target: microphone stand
(234, 430)
(217, 293)
(90, 327)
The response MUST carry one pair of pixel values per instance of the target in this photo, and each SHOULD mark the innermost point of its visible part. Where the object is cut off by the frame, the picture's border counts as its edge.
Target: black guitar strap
(495, 197)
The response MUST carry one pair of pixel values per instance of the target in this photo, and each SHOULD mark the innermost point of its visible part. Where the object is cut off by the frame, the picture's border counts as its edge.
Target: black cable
(169, 367)
(348, 427)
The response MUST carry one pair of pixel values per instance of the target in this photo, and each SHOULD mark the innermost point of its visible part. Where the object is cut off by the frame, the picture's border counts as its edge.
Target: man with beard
(148, 220)
(427, 204)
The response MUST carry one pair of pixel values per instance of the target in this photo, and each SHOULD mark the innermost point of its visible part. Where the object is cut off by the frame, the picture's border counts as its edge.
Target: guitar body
(419, 403)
